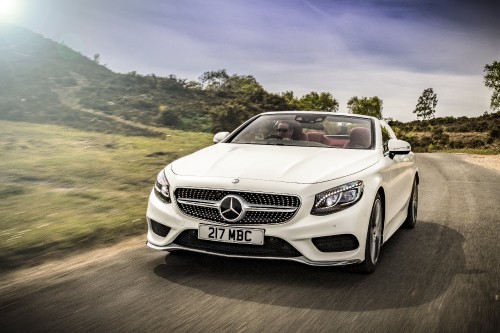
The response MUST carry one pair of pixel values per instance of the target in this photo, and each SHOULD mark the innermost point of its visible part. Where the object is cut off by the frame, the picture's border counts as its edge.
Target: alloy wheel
(376, 231)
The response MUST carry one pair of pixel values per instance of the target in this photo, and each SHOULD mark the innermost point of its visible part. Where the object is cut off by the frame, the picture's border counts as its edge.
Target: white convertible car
(319, 188)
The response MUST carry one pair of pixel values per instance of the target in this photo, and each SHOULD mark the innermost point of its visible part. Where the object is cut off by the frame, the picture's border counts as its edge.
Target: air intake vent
(159, 229)
(337, 243)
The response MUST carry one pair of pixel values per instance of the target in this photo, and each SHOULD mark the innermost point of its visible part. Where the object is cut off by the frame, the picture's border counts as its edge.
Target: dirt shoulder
(55, 268)
(487, 161)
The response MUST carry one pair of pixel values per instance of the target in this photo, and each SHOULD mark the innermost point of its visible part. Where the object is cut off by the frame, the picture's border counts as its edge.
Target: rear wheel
(411, 219)
(373, 239)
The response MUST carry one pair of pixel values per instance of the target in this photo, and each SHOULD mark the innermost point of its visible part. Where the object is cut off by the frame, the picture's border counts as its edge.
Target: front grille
(263, 208)
(337, 243)
(272, 247)
(159, 229)
(204, 213)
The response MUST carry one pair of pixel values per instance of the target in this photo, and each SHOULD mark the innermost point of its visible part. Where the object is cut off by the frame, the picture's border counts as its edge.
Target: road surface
(442, 276)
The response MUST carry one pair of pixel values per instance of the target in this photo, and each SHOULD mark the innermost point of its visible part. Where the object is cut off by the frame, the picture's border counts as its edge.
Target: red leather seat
(359, 137)
(317, 137)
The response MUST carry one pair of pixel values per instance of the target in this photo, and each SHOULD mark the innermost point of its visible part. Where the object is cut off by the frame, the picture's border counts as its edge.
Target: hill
(40, 81)
(43, 81)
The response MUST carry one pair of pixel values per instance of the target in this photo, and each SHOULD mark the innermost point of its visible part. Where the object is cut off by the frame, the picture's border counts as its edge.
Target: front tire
(411, 219)
(373, 239)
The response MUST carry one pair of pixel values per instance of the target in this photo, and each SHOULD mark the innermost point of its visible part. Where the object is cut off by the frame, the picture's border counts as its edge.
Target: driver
(285, 130)
(291, 130)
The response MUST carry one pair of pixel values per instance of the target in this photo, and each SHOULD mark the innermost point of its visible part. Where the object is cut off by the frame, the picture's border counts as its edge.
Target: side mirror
(398, 147)
(220, 136)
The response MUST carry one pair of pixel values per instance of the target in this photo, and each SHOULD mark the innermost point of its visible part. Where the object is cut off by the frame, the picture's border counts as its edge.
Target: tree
(321, 102)
(228, 116)
(312, 101)
(426, 105)
(236, 98)
(222, 86)
(170, 116)
(369, 106)
(492, 81)
(289, 97)
(214, 80)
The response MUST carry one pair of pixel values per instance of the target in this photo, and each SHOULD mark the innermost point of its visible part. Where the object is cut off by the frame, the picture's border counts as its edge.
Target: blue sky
(393, 49)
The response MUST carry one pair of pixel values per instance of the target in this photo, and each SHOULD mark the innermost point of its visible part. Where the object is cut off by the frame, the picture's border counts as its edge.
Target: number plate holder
(236, 235)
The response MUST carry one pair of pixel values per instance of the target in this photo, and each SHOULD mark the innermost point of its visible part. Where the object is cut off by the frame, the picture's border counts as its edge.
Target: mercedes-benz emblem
(231, 208)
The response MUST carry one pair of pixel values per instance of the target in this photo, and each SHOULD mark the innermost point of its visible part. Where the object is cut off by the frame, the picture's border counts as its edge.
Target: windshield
(310, 129)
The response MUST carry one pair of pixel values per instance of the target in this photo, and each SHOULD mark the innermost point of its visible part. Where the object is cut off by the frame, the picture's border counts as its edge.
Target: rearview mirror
(220, 136)
(398, 147)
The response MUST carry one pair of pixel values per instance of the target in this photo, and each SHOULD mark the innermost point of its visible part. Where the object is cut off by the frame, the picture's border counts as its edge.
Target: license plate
(231, 234)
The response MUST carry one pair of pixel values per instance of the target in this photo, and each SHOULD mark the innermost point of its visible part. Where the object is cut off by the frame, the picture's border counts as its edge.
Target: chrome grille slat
(261, 208)
(197, 202)
(269, 208)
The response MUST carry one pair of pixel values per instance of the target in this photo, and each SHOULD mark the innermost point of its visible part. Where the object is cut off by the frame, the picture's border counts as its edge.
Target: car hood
(305, 165)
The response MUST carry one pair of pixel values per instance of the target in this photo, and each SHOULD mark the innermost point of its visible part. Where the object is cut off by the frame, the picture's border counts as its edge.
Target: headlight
(162, 187)
(337, 198)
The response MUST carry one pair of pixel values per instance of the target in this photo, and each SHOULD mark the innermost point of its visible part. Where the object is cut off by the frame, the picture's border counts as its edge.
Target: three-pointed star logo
(231, 209)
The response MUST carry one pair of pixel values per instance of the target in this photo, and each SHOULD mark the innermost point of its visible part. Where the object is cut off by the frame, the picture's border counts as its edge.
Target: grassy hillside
(64, 189)
(42, 81)
(38, 78)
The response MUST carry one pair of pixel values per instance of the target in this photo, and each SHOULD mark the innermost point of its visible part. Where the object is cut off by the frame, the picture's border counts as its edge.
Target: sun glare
(8, 9)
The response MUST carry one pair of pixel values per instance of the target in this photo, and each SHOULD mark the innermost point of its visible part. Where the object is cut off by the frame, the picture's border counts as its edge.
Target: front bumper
(298, 232)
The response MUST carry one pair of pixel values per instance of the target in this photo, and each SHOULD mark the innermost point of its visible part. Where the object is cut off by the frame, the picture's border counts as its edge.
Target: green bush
(456, 144)
(476, 143)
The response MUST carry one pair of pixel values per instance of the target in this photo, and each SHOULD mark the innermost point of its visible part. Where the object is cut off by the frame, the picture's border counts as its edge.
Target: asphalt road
(442, 276)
